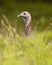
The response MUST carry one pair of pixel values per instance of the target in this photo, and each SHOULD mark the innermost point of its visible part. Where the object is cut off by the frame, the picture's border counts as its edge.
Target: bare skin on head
(27, 19)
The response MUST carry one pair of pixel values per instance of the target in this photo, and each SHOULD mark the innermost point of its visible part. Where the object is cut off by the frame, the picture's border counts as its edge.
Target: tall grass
(24, 50)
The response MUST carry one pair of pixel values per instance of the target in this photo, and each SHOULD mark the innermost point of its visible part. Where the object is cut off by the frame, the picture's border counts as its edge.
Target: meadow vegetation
(27, 50)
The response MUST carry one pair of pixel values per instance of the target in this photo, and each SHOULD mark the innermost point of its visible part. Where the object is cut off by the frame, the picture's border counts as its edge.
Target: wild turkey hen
(27, 19)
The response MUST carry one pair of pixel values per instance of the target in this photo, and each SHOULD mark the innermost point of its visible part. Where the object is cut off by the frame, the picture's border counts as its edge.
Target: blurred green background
(40, 10)
(16, 49)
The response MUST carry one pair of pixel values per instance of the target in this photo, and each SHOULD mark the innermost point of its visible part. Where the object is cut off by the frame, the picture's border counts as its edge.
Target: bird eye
(24, 13)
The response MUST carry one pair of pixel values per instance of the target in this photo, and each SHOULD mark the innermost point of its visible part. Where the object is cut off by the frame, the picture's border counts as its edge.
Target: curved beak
(19, 15)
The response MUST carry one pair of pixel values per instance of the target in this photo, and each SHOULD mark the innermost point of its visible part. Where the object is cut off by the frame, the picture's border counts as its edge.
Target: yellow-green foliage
(36, 50)
(25, 50)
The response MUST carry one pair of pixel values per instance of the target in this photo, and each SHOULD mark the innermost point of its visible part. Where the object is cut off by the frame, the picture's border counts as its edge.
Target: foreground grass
(26, 50)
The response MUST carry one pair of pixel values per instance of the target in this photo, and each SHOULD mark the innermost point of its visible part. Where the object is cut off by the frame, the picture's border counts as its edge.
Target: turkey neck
(28, 29)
